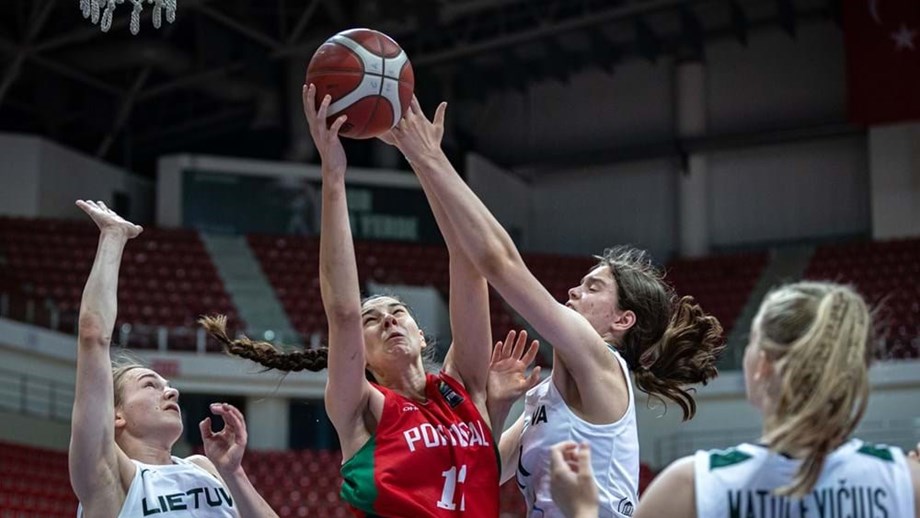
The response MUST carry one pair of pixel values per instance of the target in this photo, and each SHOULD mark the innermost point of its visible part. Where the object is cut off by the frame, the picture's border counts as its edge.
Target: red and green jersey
(431, 459)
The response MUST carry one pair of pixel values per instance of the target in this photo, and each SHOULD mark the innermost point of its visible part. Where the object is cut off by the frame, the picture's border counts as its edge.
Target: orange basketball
(369, 78)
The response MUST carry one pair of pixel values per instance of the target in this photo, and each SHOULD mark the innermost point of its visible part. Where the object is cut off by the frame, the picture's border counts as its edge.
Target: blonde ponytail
(819, 335)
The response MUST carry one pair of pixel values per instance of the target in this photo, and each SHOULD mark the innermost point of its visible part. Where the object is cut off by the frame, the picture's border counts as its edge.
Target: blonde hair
(819, 335)
(122, 363)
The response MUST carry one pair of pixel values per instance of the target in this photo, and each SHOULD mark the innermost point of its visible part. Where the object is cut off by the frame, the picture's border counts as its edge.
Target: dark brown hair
(264, 353)
(293, 360)
(673, 342)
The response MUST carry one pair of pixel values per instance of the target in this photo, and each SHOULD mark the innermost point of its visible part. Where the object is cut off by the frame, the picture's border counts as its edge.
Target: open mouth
(172, 406)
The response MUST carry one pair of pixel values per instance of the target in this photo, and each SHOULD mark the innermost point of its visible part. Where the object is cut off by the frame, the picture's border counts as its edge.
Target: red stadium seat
(720, 284)
(885, 272)
(296, 281)
(167, 277)
(34, 482)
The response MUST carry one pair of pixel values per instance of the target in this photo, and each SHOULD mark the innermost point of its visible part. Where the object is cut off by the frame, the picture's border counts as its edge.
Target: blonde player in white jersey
(621, 320)
(806, 370)
(126, 422)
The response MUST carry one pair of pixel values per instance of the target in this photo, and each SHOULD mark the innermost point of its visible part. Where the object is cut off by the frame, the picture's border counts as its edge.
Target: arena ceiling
(216, 80)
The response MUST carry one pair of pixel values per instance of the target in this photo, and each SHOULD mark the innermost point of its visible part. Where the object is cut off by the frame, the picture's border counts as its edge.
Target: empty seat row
(720, 284)
(167, 278)
(887, 273)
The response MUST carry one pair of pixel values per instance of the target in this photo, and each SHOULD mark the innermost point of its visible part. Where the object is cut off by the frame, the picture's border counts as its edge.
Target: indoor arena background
(743, 142)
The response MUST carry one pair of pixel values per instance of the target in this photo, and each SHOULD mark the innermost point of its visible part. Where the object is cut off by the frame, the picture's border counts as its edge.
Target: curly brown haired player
(621, 319)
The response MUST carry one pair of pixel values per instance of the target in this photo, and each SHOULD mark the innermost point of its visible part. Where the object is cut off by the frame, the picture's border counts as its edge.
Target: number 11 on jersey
(452, 478)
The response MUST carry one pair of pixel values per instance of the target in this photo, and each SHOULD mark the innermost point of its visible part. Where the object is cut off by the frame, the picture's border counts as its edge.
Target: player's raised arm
(347, 391)
(492, 251)
(99, 469)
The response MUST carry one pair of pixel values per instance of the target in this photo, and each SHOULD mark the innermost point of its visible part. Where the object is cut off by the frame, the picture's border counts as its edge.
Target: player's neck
(143, 450)
(409, 383)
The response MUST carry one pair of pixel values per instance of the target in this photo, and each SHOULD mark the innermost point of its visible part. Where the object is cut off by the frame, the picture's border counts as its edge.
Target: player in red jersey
(414, 444)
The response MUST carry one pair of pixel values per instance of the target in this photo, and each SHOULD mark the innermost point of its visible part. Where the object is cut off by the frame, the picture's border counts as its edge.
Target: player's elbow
(498, 263)
(92, 331)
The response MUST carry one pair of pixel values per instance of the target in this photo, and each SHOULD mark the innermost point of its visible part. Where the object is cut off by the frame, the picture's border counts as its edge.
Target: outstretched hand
(225, 448)
(508, 379)
(325, 138)
(108, 221)
(415, 135)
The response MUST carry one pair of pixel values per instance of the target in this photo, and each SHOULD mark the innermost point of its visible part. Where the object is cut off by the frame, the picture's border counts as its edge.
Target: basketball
(369, 78)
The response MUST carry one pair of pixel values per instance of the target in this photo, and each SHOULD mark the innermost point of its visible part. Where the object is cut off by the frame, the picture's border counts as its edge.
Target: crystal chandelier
(100, 11)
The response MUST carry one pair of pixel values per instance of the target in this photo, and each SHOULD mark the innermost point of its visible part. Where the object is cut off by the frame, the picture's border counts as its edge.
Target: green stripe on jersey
(359, 488)
(881, 452)
(723, 458)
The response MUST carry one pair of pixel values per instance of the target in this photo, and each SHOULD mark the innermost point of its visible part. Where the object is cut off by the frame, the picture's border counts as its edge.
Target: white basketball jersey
(614, 451)
(179, 490)
(859, 480)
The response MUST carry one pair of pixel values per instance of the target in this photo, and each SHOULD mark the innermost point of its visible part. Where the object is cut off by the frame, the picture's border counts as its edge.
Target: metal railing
(35, 396)
(44, 313)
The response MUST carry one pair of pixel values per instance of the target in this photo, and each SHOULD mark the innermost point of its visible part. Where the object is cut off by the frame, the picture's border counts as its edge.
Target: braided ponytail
(264, 353)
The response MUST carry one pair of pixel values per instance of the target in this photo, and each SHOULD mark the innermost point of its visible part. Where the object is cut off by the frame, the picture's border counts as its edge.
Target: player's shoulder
(682, 469)
(202, 462)
(876, 452)
(726, 458)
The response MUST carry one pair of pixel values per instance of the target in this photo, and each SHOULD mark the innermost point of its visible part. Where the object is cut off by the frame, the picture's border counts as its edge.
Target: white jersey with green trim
(614, 451)
(179, 490)
(858, 480)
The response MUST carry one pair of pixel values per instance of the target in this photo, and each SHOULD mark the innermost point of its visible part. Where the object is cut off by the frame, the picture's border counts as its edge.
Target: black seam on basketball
(348, 72)
(380, 90)
(376, 100)
(336, 70)
(383, 68)
(382, 77)
(363, 68)
(380, 45)
(400, 80)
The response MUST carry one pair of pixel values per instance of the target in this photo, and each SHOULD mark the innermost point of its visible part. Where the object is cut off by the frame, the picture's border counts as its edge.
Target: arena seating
(298, 483)
(34, 483)
(887, 273)
(721, 284)
(167, 278)
(291, 265)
